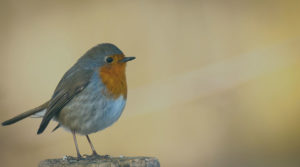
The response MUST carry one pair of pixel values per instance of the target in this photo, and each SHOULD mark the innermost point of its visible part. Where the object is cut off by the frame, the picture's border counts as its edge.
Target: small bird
(90, 97)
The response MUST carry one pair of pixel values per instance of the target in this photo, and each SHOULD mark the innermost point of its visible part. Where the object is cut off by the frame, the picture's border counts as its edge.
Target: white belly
(86, 119)
(103, 119)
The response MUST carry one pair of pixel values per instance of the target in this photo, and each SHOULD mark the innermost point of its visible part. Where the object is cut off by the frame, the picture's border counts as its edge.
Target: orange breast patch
(113, 77)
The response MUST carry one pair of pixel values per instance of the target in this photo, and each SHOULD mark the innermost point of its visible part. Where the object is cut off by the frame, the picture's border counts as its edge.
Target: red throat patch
(113, 77)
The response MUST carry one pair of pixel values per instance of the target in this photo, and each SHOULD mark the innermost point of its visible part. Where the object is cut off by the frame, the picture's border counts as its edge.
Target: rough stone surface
(101, 162)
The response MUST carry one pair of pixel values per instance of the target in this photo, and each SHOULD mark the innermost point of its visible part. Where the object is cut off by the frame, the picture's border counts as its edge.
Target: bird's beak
(125, 59)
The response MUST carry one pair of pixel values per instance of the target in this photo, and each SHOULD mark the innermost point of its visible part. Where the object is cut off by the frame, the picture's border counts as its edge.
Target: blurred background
(215, 83)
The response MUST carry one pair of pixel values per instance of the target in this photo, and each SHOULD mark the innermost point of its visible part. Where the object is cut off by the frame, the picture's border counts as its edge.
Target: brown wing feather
(70, 85)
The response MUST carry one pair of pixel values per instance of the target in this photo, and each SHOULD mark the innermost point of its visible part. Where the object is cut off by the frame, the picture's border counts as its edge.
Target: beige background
(215, 83)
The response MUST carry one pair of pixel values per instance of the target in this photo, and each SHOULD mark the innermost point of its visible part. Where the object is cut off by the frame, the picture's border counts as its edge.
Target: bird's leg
(76, 145)
(92, 147)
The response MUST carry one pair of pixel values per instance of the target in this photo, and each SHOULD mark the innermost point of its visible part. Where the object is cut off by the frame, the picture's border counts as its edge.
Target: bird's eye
(109, 59)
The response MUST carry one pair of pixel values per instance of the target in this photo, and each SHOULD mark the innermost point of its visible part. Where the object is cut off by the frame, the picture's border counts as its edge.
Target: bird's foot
(79, 157)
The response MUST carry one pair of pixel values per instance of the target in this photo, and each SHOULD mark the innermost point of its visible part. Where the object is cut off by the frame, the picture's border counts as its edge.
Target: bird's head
(110, 62)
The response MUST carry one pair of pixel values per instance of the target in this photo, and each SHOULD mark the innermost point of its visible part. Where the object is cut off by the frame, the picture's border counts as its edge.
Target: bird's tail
(31, 112)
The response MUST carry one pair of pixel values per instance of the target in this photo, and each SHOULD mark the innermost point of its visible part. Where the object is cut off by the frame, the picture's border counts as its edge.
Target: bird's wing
(72, 83)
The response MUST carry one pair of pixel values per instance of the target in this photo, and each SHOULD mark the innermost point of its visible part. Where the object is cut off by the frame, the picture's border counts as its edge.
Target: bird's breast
(114, 79)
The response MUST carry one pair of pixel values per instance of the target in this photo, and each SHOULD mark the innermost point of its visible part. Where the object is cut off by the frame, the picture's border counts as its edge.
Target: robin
(90, 97)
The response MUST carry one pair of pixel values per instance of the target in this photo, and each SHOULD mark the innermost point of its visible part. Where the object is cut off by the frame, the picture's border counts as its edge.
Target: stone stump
(101, 162)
